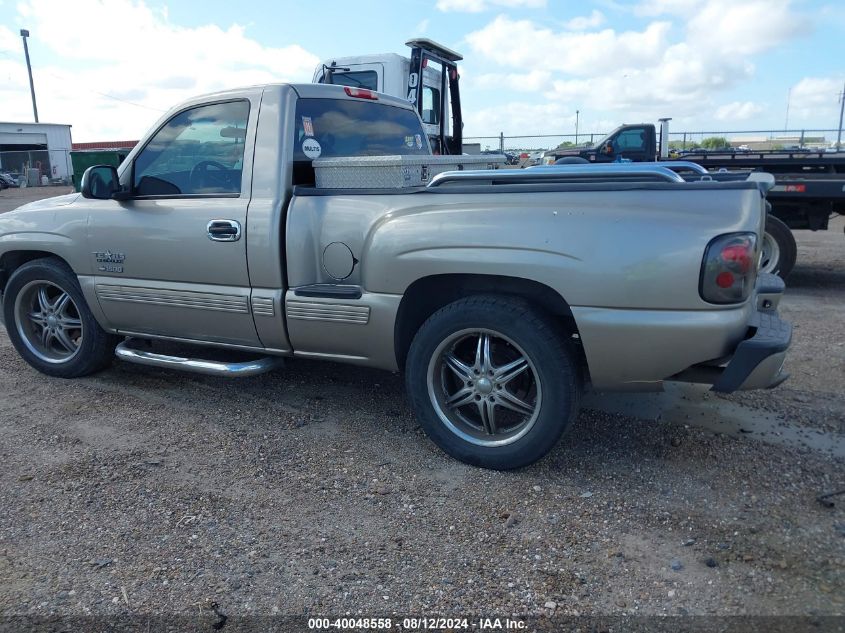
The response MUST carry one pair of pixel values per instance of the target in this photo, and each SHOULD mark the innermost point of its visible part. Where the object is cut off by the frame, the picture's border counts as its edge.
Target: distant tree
(715, 142)
(565, 145)
(777, 146)
(682, 145)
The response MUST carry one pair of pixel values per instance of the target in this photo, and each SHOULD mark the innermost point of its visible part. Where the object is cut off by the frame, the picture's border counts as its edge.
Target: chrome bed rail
(682, 165)
(630, 172)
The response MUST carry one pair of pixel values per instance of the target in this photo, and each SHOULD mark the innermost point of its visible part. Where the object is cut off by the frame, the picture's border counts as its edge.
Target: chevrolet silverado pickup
(499, 293)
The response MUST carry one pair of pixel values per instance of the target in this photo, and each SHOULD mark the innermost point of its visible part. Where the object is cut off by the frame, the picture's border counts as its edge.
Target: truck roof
(329, 91)
(304, 90)
(365, 59)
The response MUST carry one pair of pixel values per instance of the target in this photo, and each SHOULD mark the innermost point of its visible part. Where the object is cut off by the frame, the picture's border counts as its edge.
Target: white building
(45, 146)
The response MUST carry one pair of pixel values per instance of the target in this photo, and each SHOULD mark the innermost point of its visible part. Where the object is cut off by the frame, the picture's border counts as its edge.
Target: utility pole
(577, 113)
(841, 111)
(788, 98)
(24, 35)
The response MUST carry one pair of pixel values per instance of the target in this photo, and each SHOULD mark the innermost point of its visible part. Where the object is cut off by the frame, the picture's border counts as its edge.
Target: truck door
(434, 107)
(171, 259)
(369, 76)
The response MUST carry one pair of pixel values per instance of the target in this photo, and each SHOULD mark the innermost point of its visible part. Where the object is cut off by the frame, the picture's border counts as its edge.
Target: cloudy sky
(110, 67)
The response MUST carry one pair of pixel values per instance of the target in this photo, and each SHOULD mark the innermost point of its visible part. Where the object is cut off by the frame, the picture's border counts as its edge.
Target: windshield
(329, 128)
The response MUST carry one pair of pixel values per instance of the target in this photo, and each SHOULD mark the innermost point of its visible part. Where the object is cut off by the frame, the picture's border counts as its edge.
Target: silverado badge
(109, 262)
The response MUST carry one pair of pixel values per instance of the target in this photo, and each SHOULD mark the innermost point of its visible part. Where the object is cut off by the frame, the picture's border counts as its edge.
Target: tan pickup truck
(500, 294)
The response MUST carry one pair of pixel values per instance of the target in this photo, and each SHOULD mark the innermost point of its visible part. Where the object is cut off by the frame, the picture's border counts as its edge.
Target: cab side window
(431, 105)
(632, 139)
(199, 151)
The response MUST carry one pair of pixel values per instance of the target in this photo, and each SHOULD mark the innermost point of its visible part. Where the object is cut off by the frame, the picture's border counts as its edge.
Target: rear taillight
(360, 93)
(729, 268)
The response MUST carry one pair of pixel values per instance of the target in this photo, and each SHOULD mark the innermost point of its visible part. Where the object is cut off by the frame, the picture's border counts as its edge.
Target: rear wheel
(50, 324)
(492, 381)
(778, 250)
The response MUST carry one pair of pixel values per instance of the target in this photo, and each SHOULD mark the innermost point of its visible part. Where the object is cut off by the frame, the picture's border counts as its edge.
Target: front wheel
(493, 382)
(50, 324)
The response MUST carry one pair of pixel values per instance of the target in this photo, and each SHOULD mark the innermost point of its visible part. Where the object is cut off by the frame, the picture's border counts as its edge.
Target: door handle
(224, 230)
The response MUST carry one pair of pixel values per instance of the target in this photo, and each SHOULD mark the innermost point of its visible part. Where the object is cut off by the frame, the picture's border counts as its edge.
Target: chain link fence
(818, 139)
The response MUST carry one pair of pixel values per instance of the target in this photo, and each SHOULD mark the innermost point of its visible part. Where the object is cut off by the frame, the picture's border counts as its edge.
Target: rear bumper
(735, 348)
(757, 361)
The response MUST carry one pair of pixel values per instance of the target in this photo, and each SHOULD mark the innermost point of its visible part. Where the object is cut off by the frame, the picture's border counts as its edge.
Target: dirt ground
(311, 491)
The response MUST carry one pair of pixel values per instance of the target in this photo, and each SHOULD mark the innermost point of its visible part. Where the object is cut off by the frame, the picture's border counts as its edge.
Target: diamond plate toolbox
(393, 172)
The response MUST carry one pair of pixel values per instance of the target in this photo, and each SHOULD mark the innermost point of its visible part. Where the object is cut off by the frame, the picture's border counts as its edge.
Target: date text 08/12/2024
(417, 624)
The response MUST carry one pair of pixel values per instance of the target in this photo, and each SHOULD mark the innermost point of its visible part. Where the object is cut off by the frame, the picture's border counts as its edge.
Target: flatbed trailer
(809, 185)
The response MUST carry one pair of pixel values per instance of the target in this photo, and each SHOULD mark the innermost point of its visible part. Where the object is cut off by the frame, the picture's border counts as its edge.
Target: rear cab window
(331, 128)
(357, 78)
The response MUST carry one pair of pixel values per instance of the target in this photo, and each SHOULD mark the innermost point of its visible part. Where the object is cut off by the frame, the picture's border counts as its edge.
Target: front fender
(52, 229)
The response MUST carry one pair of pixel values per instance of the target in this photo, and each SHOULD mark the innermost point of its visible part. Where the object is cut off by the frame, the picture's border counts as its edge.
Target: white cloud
(674, 66)
(9, 41)
(745, 28)
(131, 51)
(523, 43)
(422, 26)
(518, 120)
(477, 6)
(651, 8)
(817, 99)
(737, 111)
(521, 117)
(533, 81)
(585, 22)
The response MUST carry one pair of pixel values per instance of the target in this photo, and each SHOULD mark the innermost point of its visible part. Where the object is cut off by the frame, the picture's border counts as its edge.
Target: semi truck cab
(428, 79)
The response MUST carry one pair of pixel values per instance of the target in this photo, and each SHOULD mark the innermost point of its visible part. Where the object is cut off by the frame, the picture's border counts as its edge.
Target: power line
(103, 94)
(97, 92)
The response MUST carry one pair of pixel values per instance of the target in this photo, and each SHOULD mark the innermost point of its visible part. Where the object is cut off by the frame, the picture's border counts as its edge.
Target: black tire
(94, 350)
(514, 327)
(782, 236)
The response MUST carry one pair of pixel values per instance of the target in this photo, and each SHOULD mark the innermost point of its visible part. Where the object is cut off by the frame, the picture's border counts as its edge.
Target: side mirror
(100, 182)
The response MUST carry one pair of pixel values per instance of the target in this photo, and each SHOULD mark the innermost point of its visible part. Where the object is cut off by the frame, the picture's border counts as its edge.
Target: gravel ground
(311, 491)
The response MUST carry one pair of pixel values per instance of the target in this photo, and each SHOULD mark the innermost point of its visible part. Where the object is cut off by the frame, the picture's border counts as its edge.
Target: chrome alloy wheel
(769, 254)
(48, 321)
(484, 387)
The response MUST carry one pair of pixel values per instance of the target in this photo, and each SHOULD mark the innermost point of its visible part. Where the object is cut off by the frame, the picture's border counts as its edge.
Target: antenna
(841, 111)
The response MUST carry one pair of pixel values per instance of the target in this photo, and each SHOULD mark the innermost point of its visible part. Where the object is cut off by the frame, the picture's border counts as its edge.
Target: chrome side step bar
(198, 366)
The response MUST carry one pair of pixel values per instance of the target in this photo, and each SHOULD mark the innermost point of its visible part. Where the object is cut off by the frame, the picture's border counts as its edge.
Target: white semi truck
(428, 79)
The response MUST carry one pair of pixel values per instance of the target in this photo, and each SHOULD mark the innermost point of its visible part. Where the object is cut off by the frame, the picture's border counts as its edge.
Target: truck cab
(424, 79)
(633, 142)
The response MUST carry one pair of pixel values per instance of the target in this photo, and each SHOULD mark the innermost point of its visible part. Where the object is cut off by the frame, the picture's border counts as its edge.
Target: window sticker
(409, 141)
(418, 139)
(311, 148)
(308, 126)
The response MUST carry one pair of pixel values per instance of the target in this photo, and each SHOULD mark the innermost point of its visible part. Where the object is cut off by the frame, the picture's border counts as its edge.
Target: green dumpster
(83, 159)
